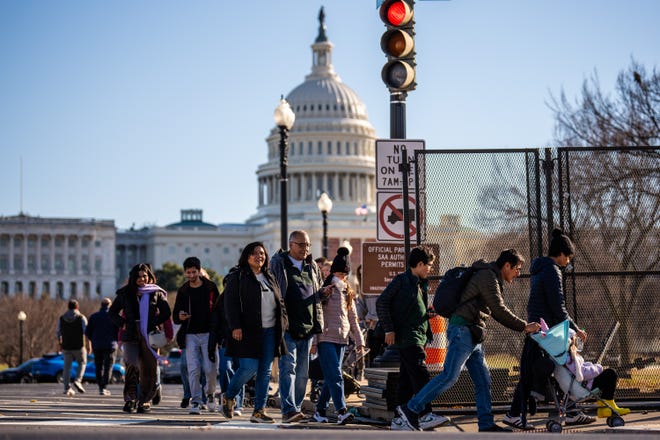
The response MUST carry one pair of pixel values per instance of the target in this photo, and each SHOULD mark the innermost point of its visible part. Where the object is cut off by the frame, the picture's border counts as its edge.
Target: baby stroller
(555, 342)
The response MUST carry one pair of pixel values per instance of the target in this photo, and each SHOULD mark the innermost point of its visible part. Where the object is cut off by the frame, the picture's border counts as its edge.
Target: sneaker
(429, 421)
(516, 422)
(320, 418)
(345, 418)
(143, 408)
(397, 424)
(228, 406)
(78, 386)
(70, 392)
(495, 428)
(129, 406)
(210, 403)
(195, 409)
(407, 417)
(238, 412)
(104, 392)
(157, 397)
(185, 402)
(292, 417)
(579, 418)
(261, 417)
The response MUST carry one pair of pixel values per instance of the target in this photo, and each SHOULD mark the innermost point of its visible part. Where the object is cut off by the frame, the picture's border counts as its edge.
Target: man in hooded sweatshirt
(102, 332)
(71, 335)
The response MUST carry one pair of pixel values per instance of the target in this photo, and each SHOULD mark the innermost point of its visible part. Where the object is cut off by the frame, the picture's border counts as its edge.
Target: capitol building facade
(331, 150)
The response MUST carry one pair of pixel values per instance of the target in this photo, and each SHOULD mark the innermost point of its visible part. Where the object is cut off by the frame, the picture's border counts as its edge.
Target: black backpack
(447, 296)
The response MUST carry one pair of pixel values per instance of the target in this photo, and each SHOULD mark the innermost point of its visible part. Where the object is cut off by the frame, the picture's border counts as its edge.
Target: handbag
(157, 339)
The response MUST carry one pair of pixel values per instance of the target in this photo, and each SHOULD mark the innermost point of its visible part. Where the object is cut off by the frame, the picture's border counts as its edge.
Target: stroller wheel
(553, 426)
(615, 421)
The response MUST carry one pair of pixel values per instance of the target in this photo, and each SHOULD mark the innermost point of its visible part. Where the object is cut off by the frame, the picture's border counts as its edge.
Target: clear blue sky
(134, 109)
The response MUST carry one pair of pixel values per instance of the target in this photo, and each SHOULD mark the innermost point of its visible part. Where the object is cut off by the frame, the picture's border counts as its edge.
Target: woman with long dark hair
(256, 321)
(139, 308)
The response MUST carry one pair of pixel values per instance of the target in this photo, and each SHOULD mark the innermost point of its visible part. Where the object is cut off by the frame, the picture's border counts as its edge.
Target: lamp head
(284, 115)
(325, 203)
(22, 316)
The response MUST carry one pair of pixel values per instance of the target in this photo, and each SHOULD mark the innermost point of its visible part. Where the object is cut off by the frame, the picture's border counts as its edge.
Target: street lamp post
(325, 206)
(21, 322)
(284, 119)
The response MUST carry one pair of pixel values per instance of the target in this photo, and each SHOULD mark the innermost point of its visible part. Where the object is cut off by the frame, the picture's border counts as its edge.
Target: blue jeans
(198, 361)
(460, 352)
(261, 367)
(228, 366)
(331, 356)
(294, 372)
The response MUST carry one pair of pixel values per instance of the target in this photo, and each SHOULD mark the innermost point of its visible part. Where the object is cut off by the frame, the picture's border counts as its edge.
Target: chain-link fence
(476, 203)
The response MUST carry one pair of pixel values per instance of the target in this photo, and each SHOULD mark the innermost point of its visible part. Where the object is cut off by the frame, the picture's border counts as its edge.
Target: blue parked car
(20, 374)
(49, 368)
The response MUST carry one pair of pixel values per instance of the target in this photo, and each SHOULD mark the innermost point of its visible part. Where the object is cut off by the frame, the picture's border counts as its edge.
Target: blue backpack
(447, 296)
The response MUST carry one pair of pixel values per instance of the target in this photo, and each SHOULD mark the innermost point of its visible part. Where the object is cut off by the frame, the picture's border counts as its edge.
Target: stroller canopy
(555, 341)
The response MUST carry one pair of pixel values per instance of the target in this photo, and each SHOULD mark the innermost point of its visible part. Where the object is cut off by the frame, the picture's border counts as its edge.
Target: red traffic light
(396, 13)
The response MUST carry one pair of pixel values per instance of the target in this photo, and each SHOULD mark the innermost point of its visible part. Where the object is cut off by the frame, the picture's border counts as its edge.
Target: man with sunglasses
(300, 282)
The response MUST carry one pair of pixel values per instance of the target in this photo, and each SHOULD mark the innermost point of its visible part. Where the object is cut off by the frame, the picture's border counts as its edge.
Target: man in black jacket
(195, 301)
(404, 314)
(102, 332)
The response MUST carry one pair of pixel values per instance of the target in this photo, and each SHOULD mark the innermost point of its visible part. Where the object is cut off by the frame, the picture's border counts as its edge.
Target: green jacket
(403, 308)
(482, 298)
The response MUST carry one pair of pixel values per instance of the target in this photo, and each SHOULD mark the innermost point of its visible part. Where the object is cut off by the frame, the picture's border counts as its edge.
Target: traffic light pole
(398, 115)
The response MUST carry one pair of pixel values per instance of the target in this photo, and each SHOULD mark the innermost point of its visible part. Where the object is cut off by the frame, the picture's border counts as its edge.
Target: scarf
(145, 293)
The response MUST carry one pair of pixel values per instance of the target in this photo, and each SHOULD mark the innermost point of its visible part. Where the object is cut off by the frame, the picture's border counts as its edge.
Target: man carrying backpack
(403, 312)
(481, 298)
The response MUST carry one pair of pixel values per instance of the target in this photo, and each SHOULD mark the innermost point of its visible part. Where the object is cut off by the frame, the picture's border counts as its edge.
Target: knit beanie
(561, 243)
(341, 263)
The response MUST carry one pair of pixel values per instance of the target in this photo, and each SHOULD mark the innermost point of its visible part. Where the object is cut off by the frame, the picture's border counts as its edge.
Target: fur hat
(342, 262)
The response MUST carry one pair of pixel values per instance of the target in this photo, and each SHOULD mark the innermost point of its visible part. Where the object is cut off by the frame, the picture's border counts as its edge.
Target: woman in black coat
(256, 321)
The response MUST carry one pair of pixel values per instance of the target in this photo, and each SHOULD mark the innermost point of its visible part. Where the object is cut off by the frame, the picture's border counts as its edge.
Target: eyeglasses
(302, 245)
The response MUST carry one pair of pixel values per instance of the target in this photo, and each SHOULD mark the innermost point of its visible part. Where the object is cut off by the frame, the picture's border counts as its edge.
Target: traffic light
(398, 44)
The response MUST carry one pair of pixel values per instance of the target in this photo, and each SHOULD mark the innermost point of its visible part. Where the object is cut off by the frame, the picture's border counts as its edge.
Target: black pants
(606, 382)
(104, 358)
(535, 370)
(375, 345)
(413, 374)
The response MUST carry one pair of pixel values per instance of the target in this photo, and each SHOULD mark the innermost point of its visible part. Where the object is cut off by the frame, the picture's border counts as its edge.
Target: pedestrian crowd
(302, 311)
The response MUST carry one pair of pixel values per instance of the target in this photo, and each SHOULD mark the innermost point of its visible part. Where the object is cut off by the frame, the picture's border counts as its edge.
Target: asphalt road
(41, 410)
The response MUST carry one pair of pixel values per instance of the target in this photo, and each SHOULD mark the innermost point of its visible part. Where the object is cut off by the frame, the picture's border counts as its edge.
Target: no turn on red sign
(390, 216)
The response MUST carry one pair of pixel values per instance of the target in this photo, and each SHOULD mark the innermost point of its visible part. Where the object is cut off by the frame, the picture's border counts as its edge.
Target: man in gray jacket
(481, 298)
(300, 282)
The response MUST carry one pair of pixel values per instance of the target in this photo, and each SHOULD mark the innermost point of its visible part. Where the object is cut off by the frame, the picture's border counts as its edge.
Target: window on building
(98, 264)
(18, 288)
(4, 263)
(32, 289)
(310, 148)
(45, 262)
(45, 288)
(4, 288)
(71, 264)
(59, 290)
(18, 262)
(32, 262)
(32, 242)
(73, 289)
(86, 289)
